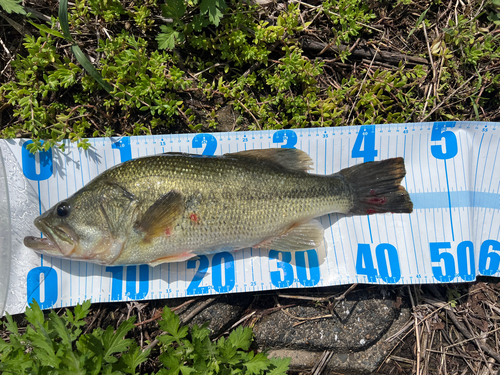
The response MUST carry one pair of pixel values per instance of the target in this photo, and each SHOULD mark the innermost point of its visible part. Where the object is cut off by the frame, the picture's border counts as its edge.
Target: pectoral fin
(161, 216)
(302, 236)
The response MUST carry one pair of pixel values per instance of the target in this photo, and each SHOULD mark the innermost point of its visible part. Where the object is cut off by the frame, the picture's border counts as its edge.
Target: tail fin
(376, 187)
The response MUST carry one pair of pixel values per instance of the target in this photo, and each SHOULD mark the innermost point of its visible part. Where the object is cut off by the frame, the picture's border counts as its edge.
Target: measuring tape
(451, 236)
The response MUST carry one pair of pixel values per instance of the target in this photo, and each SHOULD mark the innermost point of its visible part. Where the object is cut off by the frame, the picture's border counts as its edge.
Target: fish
(175, 206)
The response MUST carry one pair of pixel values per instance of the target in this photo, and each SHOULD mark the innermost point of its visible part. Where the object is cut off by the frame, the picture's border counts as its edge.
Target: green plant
(38, 75)
(494, 11)
(200, 355)
(56, 345)
(151, 73)
(471, 43)
(349, 18)
(109, 10)
(453, 295)
(12, 6)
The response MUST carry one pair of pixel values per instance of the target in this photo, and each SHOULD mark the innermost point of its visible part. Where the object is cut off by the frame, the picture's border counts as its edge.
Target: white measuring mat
(453, 234)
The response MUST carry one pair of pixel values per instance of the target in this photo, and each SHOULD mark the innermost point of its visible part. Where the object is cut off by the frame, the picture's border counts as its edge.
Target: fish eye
(63, 209)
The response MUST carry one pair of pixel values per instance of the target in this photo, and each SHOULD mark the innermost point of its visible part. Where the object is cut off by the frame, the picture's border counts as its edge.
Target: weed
(54, 344)
(158, 71)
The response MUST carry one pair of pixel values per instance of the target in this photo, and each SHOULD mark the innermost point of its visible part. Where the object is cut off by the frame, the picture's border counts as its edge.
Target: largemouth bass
(171, 207)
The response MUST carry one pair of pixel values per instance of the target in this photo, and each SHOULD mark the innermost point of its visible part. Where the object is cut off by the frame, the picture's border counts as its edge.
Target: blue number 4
(366, 137)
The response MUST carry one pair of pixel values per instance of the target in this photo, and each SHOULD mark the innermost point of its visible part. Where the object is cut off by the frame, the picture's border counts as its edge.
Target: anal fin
(172, 258)
(303, 236)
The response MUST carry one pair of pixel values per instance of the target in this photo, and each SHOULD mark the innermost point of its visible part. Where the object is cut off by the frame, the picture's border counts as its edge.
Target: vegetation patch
(53, 344)
(181, 65)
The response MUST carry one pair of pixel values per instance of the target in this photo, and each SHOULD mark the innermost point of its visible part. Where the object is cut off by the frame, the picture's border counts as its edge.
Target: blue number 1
(123, 145)
(368, 153)
(29, 163)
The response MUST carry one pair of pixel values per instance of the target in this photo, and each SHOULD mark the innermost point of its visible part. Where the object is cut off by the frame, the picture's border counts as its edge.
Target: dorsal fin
(289, 158)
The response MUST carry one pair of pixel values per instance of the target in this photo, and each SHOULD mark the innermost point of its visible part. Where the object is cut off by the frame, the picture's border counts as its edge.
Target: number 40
(387, 260)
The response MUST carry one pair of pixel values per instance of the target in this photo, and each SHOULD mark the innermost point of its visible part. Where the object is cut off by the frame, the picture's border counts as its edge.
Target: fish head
(82, 227)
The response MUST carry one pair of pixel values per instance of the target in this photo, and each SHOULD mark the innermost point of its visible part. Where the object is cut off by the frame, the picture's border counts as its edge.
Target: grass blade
(47, 29)
(63, 20)
(87, 65)
(80, 56)
(419, 21)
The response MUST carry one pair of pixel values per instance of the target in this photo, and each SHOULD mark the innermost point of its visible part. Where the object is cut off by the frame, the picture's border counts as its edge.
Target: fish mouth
(41, 244)
(57, 241)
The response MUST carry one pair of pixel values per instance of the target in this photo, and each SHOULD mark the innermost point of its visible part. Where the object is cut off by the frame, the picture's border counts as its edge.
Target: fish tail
(376, 187)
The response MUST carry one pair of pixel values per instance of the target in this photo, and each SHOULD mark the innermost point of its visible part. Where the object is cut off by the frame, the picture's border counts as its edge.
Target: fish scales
(234, 200)
(173, 206)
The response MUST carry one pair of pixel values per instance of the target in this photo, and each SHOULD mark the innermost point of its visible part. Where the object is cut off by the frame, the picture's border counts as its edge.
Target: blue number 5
(449, 261)
(450, 140)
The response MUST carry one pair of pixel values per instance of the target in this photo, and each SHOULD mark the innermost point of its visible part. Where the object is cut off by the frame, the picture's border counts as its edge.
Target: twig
(258, 63)
(448, 97)
(453, 354)
(402, 359)
(361, 87)
(480, 349)
(491, 352)
(429, 88)
(158, 313)
(207, 69)
(434, 75)
(314, 18)
(343, 295)
(305, 319)
(197, 309)
(6, 49)
(464, 341)
(242, 320)
(93, 321)
(251, 114)
(184, 320)
(323, 361)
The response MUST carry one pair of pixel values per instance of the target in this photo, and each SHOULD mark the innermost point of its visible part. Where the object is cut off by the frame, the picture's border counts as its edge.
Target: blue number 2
(194, 287)
(209, 140)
